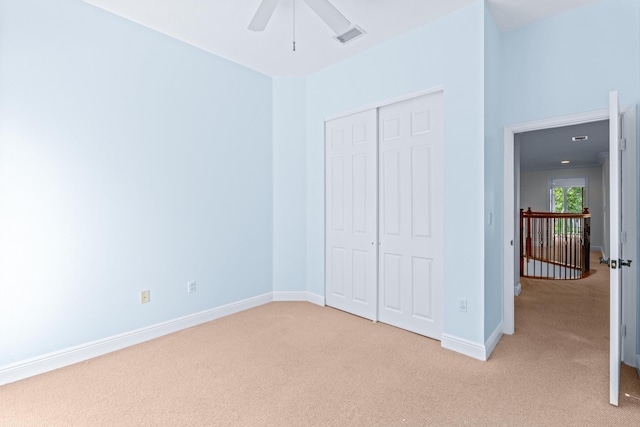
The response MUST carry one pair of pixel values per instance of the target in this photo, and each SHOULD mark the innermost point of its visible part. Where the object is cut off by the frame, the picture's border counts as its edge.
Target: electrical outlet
(462, 304)
(145, 297)
(191, 287)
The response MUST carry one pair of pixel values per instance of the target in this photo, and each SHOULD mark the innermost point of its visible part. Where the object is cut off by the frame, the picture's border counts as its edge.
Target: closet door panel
(411, 215)
(384, 214)
(351, 214)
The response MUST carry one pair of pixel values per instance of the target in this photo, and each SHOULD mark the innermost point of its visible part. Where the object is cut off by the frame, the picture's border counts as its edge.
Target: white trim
(465, 347)
(59, 359)
(316, 299)
(472, 348)
(493, 340)
(298, 296)
(510, 240)
(509, 198)
(630, 249)
(517, 289)
(567, 182)
(289, 296)
(562, 121)
(70, 356)
(376, 105)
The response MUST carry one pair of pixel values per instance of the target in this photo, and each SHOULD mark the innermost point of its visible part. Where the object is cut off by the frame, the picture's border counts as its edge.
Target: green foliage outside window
(558, 199)
(574, 204)
(574, 199)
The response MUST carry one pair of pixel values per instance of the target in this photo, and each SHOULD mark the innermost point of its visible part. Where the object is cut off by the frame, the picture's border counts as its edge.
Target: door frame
(388, 101)
(630, 178)
(511, 213)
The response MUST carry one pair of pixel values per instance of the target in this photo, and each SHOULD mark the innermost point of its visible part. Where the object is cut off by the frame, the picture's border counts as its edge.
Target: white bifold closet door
(411, 215)
(351, 219)
(384, 221)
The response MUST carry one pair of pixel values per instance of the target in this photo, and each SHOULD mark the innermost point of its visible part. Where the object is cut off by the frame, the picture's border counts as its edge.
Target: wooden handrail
(529, 213)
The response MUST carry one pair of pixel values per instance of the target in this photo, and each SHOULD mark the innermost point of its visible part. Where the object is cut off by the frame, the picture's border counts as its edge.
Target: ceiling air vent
(353, 33)
(579, 138)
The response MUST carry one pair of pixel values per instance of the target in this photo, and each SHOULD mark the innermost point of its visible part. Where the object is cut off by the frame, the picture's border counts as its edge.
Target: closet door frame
(377, 105)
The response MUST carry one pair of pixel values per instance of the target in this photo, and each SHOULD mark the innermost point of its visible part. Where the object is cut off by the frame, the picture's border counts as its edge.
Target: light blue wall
(568, 63)
(131, 161)
(564, 65)
(446, 52)
(493, 191)
(128, 161)
(289, 185)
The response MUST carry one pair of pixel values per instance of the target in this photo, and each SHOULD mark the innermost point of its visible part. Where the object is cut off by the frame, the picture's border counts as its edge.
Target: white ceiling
(545, 149)
(220, 26)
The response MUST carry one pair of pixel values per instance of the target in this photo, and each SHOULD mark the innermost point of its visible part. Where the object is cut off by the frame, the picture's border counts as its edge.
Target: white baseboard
(463, 346)
(316, 299)
(59, 359)
(493, 340)
(298, 296)
(517, 289)
(70, 356)
(472, 348)
(289, 296)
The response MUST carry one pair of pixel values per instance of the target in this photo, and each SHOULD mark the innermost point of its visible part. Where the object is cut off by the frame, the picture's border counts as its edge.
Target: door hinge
(623, 144)
(623, 330)
(623, 237)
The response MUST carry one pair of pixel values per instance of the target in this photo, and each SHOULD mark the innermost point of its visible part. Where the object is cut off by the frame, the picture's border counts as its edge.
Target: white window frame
(567, 182)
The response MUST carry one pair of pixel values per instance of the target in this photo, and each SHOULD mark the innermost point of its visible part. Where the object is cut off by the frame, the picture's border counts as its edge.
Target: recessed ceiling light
(564, 162)
(580, 138)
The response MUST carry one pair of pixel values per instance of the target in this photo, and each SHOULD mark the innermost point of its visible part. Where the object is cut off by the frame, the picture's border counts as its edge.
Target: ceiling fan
(340, 25)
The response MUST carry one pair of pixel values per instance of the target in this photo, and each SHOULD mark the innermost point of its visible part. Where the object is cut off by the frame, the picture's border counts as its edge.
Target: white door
(411, 215)
(351, 213)
(628, 249)
(614, 248)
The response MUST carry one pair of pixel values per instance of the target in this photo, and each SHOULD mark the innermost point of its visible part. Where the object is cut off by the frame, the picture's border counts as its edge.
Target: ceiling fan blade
(263, 15)
(330, 15)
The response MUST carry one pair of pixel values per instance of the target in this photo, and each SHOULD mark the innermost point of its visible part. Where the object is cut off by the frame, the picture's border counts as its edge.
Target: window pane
(558, 199)
(575, 199)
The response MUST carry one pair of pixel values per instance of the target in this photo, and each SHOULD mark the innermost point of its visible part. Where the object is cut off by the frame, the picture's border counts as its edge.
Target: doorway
(627, 188)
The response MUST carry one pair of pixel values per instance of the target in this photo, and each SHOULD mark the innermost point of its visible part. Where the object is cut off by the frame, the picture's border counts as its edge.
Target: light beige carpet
(297, 364)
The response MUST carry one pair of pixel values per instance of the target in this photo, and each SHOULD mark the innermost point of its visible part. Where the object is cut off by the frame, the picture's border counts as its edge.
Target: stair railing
(555, 245)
